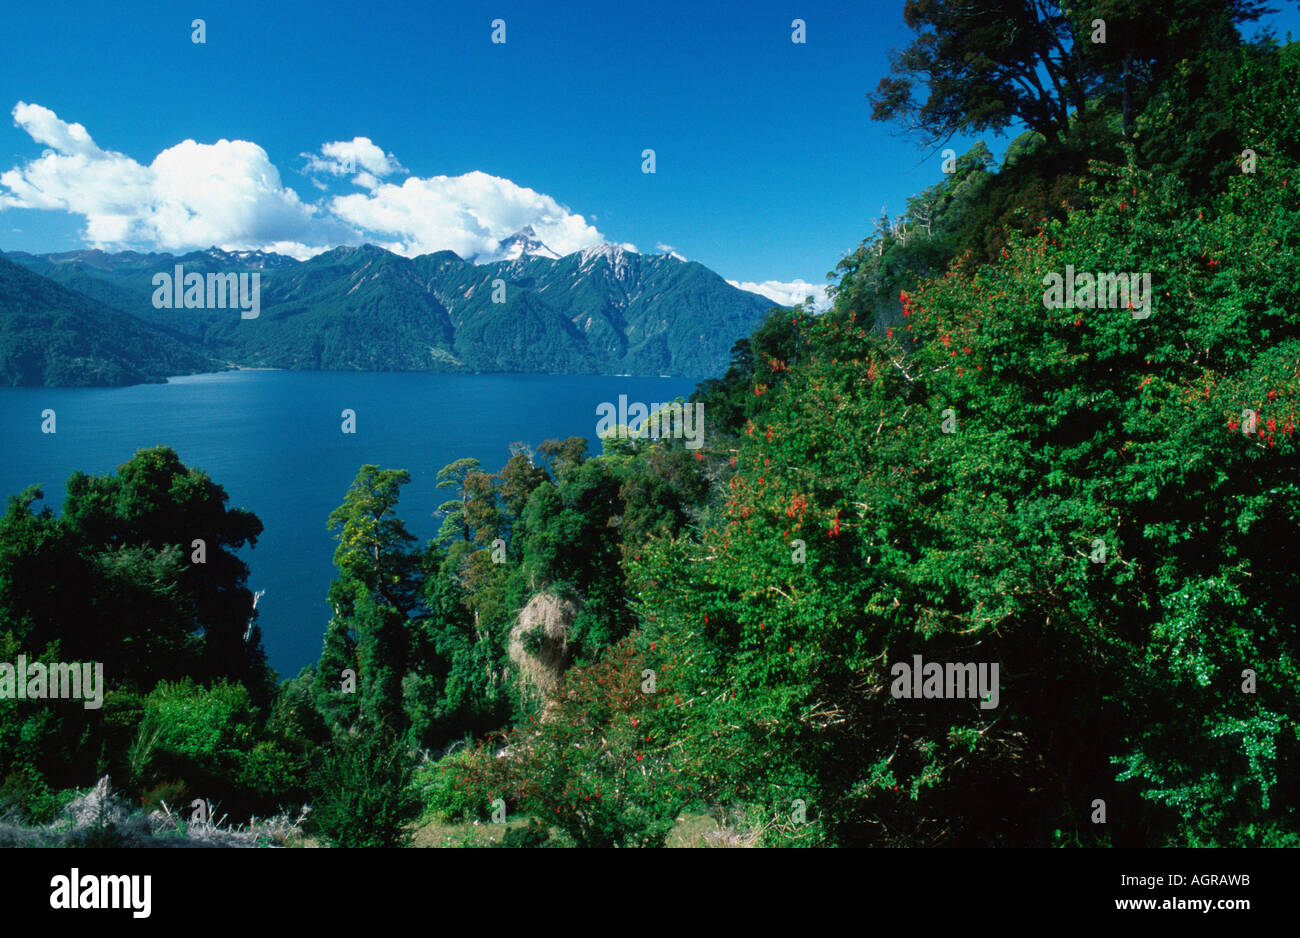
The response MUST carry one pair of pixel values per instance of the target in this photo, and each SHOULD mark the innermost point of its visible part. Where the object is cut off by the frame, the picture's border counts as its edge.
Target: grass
(690, 830)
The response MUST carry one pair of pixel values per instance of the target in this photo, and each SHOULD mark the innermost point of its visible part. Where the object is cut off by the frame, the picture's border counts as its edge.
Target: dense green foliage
(1158, 676)
(945, 464)
(50, 335)
(1041, 65)
(366, 309)
(115, 580)
(365, 797)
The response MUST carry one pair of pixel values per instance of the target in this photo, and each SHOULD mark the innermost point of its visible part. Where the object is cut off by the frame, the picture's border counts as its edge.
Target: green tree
(375, 597)
(153, 504)
(988, 67)
(455, 524)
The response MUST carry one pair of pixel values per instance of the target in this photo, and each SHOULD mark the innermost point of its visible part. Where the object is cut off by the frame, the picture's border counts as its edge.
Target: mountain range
(55, 336)
(603, 310)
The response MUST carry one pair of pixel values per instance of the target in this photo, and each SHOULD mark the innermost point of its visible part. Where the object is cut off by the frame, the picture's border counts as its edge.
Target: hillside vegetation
(943, 465)
(50, 335)
(599, 311)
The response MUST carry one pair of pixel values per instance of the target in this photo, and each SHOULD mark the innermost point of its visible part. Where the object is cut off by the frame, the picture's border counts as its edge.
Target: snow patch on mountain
(524, 243)
(264, 260)
(615, 254)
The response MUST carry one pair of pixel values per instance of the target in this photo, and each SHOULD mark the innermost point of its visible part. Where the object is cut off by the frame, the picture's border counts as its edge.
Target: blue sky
(768, 166)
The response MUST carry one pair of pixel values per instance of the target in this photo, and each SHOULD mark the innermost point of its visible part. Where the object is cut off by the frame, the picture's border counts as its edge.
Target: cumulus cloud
(230, 194)
(192, 195)
(468, 214)
(358, 156)
(44, 126)
(787, 293)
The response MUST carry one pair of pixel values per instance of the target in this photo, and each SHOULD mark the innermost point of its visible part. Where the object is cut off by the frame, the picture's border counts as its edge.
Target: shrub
(451, 790)
(364, 797)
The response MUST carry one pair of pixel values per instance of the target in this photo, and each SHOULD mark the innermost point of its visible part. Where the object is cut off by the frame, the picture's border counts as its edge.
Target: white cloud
(44, 126)
(230, 194)
(192, 195)
(467, 214)
(344, 157)
(787, 293)
(295, 249)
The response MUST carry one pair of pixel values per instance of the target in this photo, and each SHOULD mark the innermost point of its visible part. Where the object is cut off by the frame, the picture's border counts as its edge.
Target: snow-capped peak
(616, 253)
(262, 259)
(524, 243)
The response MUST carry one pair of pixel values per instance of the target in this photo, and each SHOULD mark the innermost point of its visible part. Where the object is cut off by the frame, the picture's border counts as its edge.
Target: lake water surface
(274, 441)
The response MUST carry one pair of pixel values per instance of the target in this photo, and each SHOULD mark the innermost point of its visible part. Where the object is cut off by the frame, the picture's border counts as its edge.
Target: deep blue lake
(274, 441)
